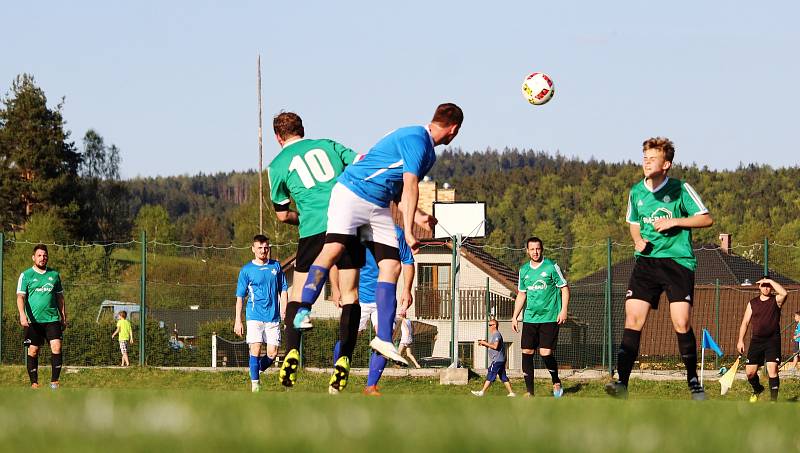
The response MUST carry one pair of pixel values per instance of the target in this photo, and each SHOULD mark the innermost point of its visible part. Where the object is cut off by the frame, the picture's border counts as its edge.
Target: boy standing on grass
(497, 360)
(125, 332)
(661, 214)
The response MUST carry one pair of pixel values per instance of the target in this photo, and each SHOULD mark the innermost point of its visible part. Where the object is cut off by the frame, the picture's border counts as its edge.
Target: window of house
(433, 275)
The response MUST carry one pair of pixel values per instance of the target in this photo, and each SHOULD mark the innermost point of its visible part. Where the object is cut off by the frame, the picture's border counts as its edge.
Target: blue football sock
(317, 276)
(386, 301)
(265, 362)
(377, 363)
(253, 368)
(337, 351)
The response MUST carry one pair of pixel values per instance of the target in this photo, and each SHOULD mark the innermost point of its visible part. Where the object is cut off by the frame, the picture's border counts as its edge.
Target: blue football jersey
(378, 177)
(368, 276)
(262, 285)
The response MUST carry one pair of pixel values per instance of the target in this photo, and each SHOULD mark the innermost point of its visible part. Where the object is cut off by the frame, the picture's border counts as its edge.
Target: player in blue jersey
(359, 206)
(263, 283)
(367, 281)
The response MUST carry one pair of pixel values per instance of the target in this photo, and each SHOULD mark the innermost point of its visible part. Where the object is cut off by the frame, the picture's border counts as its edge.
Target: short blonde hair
(662, 144)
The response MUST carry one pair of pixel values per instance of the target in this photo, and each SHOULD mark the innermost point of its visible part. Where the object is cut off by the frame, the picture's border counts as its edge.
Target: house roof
(712, 264)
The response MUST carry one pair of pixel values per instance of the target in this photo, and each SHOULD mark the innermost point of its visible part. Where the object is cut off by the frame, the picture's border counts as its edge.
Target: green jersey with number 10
(306, 171)
(672, 199)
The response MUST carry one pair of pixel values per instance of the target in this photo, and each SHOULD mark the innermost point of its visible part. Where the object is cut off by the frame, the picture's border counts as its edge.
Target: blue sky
(173, 84)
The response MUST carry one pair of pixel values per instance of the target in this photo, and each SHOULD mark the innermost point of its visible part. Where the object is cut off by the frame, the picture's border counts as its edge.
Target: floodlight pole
(260, 157)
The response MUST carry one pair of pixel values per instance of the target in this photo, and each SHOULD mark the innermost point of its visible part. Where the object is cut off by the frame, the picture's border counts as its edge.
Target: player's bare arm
(238, 329)
(62, 308)
(743, 329)
(284, 300)
(23, 319)
(495, 346)
(636, 234)
(695, 221)
(562, 315)
(519, 303)
(781, 293)
(407, 298)
(289, 217)
(408, 206)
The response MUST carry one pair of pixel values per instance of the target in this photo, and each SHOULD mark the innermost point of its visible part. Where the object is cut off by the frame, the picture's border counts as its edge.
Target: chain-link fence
(186, 295)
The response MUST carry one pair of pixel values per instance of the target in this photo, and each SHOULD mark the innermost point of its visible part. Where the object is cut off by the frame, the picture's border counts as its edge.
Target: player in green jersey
(544, 294)
(40, 302)
(305, 171)
(661, 212)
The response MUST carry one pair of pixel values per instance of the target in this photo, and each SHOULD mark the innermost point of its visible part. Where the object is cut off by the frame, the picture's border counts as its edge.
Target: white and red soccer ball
(538, 88)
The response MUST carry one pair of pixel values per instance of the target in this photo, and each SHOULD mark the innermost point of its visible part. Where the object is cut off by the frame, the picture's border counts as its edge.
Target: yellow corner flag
(726, 381)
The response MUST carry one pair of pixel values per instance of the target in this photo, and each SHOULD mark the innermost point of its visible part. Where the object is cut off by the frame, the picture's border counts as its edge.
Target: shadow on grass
(573, 389)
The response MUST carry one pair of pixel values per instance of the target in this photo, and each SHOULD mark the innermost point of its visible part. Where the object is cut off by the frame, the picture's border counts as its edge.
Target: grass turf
(141, 408)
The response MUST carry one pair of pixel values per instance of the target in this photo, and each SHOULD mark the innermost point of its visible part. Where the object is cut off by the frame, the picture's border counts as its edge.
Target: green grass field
(153, 410)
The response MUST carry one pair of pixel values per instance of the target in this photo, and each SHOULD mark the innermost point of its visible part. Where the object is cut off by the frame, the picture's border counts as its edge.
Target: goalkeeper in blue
(381, 317)
(359, 207)
(263, 284)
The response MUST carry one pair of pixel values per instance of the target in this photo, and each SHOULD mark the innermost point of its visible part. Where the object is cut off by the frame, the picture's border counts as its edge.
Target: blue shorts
(497, 369)
(796, 346)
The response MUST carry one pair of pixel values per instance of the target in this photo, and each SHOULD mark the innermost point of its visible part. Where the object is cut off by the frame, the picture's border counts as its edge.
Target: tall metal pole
(609, 292)
(260, 157)
(453, 304)
(716, 318)
(142, 299)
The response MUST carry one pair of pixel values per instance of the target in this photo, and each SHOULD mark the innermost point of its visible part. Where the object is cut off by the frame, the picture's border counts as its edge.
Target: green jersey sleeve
(632, 215)
(278, 192)
(558, 276)
(691, 201)
(347, 155)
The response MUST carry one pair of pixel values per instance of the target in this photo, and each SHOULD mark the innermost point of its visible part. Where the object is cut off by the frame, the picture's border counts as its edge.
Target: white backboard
(465, 218)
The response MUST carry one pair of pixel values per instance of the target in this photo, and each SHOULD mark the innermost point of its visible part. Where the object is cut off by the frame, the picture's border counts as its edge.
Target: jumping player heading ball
(661, 212)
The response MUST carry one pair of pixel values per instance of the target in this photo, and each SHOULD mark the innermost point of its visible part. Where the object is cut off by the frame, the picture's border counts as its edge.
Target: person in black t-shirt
(764, 313)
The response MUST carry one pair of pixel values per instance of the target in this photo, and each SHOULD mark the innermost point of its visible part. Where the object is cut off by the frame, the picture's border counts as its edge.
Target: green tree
(38, 162)
(105, 207)
(155, 221)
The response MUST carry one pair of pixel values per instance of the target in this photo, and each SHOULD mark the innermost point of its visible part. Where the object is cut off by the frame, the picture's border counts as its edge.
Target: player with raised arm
(305, 171)
(661, 213)
(764, 313)
(360, 201)
(263, 284)
(544, 294)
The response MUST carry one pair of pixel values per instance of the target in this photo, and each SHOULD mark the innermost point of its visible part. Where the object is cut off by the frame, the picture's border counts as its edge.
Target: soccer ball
(538, 88)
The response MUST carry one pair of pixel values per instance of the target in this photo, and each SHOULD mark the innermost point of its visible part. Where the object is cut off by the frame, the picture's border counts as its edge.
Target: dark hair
(260, 238)
(124, 314)
(797, 313)
(288, 124)
(448, 114)
(534, 239)
(40, 247)
(662, 144)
